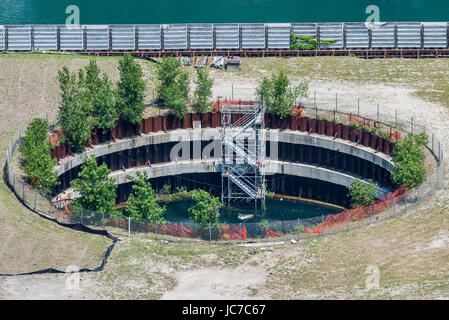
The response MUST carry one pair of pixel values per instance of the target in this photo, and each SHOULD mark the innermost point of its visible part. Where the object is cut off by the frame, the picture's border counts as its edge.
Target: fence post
(394, 207)
(210, 233)
(129, 227)
(405, 201)
(433, 142)
(396, 118)
(322, 224)
(299, 231)
(336, 101)
(82, 209)
(430, 185)
(62, 215)
(240, 230)
(103, 219)
(358, 107)
(439, 149)
(347, 221)
(370, 213)
(182, 230)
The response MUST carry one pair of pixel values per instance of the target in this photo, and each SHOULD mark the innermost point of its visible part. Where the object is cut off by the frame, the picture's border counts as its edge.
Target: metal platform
(243, 153)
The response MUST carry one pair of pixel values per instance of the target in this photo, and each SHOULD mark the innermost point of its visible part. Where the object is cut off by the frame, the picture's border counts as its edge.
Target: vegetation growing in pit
(206, 209)
(278, 95)
(97, 191)
(361, 193)
(142, 203)
(408, 168)
(37, 162)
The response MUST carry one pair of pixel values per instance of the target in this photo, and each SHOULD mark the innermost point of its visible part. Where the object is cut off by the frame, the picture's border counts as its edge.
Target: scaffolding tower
(243, 153)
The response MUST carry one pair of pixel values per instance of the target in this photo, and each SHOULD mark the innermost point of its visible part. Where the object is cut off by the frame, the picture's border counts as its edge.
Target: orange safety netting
(231, 232)
(363, 121)
(317, 230)
(357, 214)
(270, 233)
(240, 103)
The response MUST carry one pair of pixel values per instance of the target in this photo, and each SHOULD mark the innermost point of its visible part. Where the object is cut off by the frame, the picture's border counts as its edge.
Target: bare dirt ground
(411, 251)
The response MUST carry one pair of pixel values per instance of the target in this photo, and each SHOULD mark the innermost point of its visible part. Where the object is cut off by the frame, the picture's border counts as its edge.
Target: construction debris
(233, 63)
(201, 62)
(185, 61)
(218, 62)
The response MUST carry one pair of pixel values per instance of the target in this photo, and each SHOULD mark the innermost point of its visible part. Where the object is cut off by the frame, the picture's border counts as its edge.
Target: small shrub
(361, 193)
(408, 161)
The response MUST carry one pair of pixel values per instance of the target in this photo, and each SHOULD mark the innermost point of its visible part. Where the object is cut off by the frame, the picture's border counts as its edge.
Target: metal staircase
(243, 152)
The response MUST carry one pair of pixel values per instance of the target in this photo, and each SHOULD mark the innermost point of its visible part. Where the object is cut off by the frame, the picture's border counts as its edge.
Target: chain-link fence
(392, 205)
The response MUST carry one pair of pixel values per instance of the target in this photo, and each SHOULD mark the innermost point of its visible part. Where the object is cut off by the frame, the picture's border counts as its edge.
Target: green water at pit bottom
(275, 210)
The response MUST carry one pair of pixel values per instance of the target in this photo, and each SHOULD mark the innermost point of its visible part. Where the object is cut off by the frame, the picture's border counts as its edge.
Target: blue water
(190, 11)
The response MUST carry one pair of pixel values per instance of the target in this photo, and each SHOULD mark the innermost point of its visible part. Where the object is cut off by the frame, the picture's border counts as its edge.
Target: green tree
(203, 91)
(130, 90)
(167, 72)
(105, 115)
(97, 191)
(361, 193)
(75, 110)
(142, 203)
(206, 209)
(278, 95)
(408, 161)
(101, 96)
(174, 86)
(36, 162)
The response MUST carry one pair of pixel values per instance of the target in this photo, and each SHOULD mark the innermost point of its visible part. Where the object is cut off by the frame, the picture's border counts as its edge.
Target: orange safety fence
(395, 135)
(227, 232)
(270, 233)
(357, 214)
(241, 103)
(363, 121)
(317, 230)
(233, 232)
